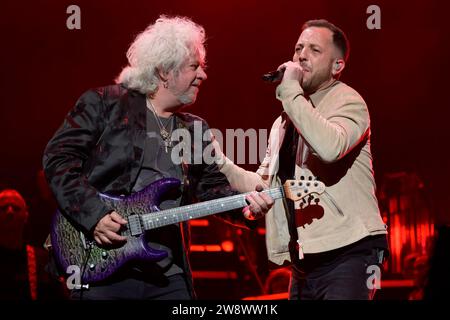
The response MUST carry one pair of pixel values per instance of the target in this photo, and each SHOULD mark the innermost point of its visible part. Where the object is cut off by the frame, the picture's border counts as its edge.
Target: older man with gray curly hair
(118, 139)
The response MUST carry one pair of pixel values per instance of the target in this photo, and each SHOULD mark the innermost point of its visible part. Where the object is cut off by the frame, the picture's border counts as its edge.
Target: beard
(187, 98)
(314, 81)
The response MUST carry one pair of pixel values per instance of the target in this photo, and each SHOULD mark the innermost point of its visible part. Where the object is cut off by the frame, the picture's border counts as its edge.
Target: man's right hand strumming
(106, 230)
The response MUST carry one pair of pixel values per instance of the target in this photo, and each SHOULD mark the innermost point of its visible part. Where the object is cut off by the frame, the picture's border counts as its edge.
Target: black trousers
(167, 288)
(347, 277)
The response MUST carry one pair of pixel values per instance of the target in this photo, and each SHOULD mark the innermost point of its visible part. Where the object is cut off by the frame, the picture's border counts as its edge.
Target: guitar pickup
(134, 224)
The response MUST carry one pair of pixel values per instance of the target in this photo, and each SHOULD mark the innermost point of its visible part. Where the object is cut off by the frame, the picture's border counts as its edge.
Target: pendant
(164, 134)
(167, 145)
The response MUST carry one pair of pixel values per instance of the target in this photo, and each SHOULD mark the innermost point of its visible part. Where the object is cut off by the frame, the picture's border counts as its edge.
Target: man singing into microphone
(335, 242)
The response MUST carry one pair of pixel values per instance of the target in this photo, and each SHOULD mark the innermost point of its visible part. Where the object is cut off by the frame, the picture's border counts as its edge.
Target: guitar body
(73, 248)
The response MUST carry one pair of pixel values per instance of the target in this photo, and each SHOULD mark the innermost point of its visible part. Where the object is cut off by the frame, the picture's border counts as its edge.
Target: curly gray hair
(161, 47)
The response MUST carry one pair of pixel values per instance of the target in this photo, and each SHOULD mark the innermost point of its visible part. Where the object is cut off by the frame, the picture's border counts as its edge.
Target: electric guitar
(72, 247)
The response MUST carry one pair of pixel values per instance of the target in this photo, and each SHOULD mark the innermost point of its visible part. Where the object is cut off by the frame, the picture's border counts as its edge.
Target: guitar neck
(171, 216)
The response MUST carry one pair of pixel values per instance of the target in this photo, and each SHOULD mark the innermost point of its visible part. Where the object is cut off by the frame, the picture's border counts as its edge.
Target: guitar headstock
(298, 189)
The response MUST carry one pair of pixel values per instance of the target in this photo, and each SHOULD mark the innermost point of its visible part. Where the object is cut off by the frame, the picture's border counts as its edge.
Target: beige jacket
(334, 144)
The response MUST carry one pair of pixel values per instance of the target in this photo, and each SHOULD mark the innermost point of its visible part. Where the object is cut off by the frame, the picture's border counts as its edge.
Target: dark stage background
(401, 71)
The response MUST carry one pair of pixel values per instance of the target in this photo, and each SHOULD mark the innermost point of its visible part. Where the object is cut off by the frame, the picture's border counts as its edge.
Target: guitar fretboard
(171, 216)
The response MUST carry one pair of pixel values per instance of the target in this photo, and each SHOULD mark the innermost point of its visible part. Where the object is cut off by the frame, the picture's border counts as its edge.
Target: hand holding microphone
(273, 76)
(288, 70)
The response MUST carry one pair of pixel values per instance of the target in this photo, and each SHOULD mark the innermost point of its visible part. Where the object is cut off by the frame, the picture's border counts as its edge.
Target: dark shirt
(157, 164)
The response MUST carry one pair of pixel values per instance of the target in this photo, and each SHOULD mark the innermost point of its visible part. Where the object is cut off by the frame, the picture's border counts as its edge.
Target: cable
(250, 264)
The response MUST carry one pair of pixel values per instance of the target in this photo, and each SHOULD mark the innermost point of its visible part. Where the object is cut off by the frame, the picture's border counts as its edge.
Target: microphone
(273, 76)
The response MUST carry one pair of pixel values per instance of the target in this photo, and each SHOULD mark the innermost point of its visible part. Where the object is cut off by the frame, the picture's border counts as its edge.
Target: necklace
(163, 131)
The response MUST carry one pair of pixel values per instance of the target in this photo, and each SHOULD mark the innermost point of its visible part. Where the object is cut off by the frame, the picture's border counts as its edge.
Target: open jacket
(334, 129)
(100, 148)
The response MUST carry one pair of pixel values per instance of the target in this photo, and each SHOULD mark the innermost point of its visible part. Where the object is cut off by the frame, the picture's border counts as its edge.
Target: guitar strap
(287, 156)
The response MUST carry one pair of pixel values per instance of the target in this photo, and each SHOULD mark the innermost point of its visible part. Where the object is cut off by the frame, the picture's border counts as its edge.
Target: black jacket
(100, 148)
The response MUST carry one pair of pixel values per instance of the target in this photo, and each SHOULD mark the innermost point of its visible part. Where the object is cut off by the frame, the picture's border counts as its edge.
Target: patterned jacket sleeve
(65, 159)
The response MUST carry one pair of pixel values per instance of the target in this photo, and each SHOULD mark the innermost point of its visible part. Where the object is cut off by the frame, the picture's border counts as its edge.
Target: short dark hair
(340, 40)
